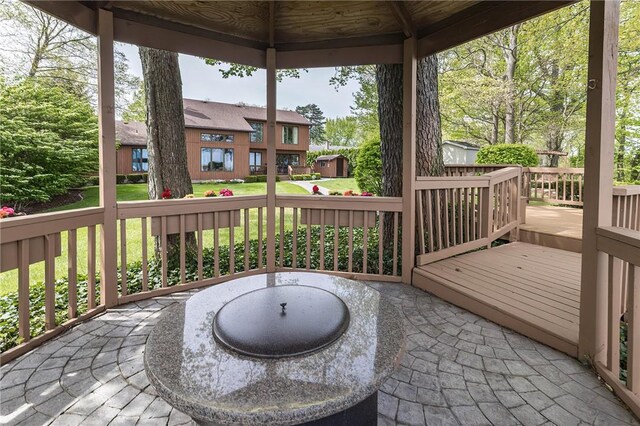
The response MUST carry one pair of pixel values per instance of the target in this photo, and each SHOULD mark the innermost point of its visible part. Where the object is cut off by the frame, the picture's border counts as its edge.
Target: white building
(458, 152)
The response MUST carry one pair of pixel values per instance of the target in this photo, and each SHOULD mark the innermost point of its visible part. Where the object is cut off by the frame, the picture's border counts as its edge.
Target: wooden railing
(365, 230)
(465, 213)
(188, 236)
(622, 246)
(30, 246)
(626, 207)
(458, 170)
(554, 185)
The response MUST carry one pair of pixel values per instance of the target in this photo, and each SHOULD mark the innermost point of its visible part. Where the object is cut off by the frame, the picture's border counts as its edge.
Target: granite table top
(197, 375)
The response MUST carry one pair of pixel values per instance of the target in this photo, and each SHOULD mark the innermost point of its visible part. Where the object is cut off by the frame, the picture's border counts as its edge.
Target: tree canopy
(313, 113)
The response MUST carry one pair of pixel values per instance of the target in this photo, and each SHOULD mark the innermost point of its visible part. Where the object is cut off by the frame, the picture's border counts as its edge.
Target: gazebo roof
(305, 33)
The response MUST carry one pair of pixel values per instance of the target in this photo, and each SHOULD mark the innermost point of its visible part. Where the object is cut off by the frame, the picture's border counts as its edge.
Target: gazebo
(441, 217)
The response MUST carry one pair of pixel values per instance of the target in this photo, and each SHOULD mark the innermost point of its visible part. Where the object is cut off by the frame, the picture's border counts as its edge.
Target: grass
(342, 184)
(133, 192)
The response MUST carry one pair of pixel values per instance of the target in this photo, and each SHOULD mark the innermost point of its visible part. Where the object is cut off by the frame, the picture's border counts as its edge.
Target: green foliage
(137, 109)
(507, 154)
(342, 131)
(258, 178)
(49, 142)
(351, 154)
(237, 70)
(365, 100)
(311, 176)
(9, 303)
(314, 114)
(368, 173)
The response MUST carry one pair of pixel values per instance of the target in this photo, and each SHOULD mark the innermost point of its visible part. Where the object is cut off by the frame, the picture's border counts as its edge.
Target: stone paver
(458, 369)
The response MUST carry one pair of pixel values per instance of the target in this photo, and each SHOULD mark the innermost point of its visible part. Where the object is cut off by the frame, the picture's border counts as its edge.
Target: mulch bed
(72, 196)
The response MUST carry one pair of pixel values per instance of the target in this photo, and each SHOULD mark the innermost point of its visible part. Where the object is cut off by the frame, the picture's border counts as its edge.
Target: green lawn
(342, 184)
(132, 192)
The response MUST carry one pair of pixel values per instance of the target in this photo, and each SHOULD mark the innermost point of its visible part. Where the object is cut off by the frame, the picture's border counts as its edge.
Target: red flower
(226, 192)
(315, 189)
(366, 194)
(166, 194)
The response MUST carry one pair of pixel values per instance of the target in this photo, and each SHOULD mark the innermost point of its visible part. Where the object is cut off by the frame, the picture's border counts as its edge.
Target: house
(332, 165)
(459, 152)
(224, 141)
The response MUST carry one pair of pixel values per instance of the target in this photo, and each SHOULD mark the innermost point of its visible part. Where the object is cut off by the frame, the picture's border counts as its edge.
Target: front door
(340, 167)
(255, 162)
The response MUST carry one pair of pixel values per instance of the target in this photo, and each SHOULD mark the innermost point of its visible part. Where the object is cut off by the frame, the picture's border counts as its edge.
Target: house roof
(209, 115)
(463, 144)
(329, 157)
(131, 133)
(316, 148)
(218, 115)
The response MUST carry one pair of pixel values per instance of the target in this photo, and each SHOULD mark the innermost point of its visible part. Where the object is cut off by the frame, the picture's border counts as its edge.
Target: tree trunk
(166, 144)
(555, 134)
(429, 161)
(495, 129)
(511, 60)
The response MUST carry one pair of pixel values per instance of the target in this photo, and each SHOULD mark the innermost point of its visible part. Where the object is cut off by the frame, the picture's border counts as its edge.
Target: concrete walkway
(458, 369)
(309, 186)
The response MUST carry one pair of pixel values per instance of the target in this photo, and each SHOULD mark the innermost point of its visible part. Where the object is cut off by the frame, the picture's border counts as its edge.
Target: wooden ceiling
(305, 33)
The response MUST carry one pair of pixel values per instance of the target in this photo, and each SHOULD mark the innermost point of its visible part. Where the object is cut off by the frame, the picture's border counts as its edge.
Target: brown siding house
(224, 141)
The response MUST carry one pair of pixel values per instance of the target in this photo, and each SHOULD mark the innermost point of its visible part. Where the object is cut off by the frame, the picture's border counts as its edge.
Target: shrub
(508, 154)
(258, 178)
(93, 180)
(121, 179)
(368, 174)
(251, 179)
(136, 178)
(302, 177)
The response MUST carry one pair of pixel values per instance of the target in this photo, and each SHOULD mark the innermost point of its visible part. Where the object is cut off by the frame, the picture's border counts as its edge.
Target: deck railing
(165, 246)
(31, 246)
(465, 213)
(341, 235)
(622, 246)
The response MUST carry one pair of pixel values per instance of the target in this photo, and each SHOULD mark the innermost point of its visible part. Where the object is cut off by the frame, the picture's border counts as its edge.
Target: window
(283, 161)
(290, 135)
(216, 137)
(139, 160)
(216, 159)
(255, 162)
(324, 164)
(256, 135)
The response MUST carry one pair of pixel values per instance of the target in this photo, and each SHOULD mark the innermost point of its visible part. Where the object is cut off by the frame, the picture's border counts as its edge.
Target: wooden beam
(107, 154)
(484, 18)
(598, 176)
(71, 12)
(345, 56)
(272, 23)
(409, 78)
(271, 159)
(403, 17)
(143, 30)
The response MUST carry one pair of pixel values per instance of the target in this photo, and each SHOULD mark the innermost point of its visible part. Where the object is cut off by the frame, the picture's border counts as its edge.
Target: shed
(332, 165)
(459, 152)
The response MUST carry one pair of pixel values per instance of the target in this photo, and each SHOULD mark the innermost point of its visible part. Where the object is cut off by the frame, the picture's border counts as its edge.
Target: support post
(410, 63)
(107, 154)
(598, 194)
(271, 159)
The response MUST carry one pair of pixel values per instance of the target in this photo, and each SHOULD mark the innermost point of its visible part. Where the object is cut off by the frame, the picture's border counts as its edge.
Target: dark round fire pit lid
(281, 321)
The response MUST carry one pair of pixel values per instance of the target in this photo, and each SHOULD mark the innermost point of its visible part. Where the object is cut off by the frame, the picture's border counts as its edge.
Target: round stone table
(196, 374)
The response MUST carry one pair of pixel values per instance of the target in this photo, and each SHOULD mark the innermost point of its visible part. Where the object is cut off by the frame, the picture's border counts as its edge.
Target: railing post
(271, 160)
(599, 145)
(486, 209)
(107, 154)
(409, 158)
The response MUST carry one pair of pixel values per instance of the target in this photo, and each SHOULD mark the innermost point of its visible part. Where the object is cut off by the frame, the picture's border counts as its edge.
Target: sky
(202, 81)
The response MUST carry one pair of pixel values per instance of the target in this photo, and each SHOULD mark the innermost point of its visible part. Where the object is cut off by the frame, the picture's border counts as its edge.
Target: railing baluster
(430, 234)
(321, 239)
(336, 238)
(281, 237)
(246, 239)
(24, 313)
(163, 251)
(446, 218)
(145, 267)
(633, 332)
(232, 243)
(381, 216)
(613, 347)
(365, 240)
(260, 237)
(49, 282)
(438, 219)
(123, 257)
(395, 243)
(459, 218)
(473, 215)
(72, 272)
(91, 267)
(420, 221)
(200, 247)
(216, 244)
(294, 255)
(308, 242)
(183, 261)
(350, 240)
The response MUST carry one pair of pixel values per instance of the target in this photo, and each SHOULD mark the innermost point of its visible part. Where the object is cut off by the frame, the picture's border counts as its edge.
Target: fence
(457, 215)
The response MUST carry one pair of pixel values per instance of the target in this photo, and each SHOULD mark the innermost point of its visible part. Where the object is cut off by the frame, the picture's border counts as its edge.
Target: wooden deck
(530, 289)
(553, 226)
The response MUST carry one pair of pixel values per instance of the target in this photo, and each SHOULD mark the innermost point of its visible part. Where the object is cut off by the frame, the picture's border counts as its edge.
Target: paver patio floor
(458, 369)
